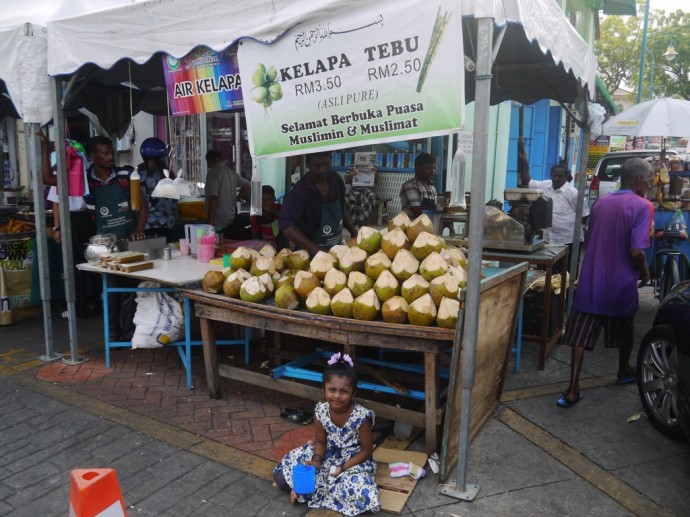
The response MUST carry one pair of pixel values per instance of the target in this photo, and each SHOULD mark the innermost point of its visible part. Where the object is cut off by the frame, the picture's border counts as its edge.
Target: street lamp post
(669, 55)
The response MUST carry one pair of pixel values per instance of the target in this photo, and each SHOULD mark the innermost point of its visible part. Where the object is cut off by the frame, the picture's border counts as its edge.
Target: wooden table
(545, 258)
(431, 341)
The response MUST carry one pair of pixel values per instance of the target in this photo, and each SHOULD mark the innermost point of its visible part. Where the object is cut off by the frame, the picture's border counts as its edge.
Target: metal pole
(651, 77)
(644, 51)
(65, 222)
(35, 164)
(485, 29)
(581, 185)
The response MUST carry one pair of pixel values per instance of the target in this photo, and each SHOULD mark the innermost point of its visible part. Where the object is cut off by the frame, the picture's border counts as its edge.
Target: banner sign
(202, 81)
(380, 73)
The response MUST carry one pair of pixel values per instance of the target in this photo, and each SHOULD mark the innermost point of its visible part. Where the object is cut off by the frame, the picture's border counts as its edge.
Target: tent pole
(579, 205)
(65, 222)
(35, 163)
(485, 27)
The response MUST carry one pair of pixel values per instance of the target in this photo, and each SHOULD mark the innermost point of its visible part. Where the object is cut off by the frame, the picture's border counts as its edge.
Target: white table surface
(176, 272)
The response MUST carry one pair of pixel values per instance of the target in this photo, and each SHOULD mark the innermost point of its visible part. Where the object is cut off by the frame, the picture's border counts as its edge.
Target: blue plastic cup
(304, 479)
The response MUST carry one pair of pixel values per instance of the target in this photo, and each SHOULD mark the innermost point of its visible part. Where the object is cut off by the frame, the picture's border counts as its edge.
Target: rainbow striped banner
(203, 81)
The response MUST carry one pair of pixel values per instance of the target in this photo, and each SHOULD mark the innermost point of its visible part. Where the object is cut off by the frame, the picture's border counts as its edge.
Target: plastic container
(304, 479)
(205, 252)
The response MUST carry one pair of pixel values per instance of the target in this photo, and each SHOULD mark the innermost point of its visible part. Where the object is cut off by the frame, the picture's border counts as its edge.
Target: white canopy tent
(536, 54)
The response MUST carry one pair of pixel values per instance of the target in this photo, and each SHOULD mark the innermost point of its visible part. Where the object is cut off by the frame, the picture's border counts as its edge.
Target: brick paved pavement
(152, 383)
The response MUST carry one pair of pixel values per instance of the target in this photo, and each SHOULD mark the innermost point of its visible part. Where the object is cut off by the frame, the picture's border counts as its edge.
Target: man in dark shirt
(314, 211)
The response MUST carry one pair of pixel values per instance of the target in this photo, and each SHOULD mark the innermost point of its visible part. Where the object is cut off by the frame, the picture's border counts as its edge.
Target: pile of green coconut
(402, 274)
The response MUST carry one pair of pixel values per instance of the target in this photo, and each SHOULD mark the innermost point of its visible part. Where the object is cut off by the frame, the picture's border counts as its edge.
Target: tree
(618, 52)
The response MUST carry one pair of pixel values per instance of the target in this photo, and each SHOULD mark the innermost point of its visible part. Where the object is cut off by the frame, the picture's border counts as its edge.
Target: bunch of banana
(16, 226)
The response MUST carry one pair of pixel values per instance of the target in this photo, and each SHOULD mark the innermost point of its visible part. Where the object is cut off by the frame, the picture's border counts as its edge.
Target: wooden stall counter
(500, 295)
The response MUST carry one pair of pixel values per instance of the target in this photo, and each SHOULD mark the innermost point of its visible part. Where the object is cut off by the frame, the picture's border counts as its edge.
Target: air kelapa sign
(356, 77)
(202, 81)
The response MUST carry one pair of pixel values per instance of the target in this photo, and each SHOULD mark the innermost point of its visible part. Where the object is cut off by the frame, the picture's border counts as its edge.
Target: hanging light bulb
(670, 53)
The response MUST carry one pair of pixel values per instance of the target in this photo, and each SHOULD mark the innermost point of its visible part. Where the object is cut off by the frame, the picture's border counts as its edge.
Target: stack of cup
(206, 247)
(184, 247)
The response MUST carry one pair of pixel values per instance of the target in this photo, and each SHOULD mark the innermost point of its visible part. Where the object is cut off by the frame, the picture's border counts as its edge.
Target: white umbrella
(659, 117)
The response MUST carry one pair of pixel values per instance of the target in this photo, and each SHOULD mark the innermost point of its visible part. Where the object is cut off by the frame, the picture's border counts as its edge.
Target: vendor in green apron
(314, 214)
(109, 198)
(419, 194)
(109, 201)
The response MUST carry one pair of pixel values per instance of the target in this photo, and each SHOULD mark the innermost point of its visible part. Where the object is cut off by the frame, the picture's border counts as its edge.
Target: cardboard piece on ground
(394, 492)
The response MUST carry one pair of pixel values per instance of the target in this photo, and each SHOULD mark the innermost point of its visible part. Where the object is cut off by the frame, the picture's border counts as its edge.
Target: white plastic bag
(159, 319)
(166, 188)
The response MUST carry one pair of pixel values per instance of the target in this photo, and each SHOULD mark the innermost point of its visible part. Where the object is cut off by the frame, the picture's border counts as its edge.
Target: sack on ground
(159, 318)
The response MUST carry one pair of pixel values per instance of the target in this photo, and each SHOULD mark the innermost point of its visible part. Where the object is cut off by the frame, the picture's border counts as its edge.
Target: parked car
(663, 366)
(607, 171)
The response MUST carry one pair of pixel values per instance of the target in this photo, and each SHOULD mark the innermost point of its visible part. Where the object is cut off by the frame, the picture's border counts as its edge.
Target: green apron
(330, 230)
(428, 203)
(114, 212)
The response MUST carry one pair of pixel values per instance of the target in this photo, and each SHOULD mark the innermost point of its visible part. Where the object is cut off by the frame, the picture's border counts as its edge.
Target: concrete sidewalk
(532, 458)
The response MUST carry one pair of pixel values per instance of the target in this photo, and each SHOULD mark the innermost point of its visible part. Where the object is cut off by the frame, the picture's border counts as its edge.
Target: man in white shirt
(564, 198)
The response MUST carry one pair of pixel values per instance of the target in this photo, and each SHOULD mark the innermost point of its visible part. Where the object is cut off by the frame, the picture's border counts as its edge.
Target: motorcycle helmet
(153, 147)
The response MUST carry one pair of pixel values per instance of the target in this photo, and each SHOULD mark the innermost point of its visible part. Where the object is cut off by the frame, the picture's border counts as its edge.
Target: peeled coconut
(286, 297)
(368, 239)
(425, 244)
(394, 241)
(322, 263)
(284, 253)
(227, 271)
(454, 256)
(394, 310)
(298, 260)
(422, 311)
(386, 286)
(319, 301)
(352, 260)
(241, 258)
(213, 281)
(337, 250)
(413, 288)
(366, 306)
(448, 311)
(263, 265)
(253, 290)
(341, 304)
(444, 286)
(279, 263)
(267, 280)
(404, 265)
(232, 284)
(420, 224)
(267, 251)
(305, 283)
(359, 283)
(433, 266)
(334, 281)
(287, 278)
(376, 264)
(401, 221)
(460, 273)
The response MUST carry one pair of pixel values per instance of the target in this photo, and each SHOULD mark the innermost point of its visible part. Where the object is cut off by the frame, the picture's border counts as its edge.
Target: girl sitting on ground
(342, 454)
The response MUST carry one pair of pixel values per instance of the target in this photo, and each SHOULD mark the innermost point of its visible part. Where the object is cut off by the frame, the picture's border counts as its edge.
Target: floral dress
(352, 493)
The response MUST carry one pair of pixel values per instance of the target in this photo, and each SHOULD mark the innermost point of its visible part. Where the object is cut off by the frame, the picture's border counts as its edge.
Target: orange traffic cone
(95, 493)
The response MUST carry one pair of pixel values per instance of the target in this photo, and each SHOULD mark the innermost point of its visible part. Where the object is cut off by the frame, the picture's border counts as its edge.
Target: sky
(16, 12)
